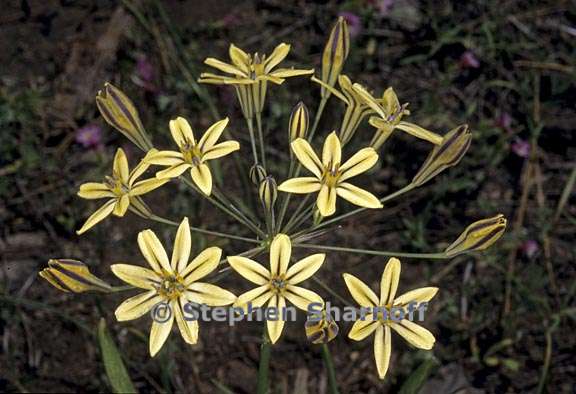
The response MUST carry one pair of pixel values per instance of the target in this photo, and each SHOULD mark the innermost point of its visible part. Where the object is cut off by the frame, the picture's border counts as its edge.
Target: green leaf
(115, 368)
(416, 380)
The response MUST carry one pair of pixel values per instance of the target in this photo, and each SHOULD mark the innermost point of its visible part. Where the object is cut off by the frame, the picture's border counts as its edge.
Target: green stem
(437, 256)
(329, 364)
(116, 289)
(264, 367)
(261, 138)
(250, 124)
(159, 219)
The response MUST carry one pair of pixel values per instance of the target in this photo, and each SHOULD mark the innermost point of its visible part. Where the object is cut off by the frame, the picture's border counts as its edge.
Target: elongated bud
(335, 54)
(72, 276)
(268, 192)
(321, 328)
(257, 174)
(299, 122)
(139, 207)
(447, 154)
(120, 113)
(478, 236)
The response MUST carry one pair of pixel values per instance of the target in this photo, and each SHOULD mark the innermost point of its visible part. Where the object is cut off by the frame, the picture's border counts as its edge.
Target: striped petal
(140, 168)
(307, 157)
(120, 166)
(153, 251)
(419, 132)
(257, 297)
(137, 306)
(202, 265)
(363, 328)
(332, 151)
(182, 246)
(102, 213)
(280, 252)
(389, 281)
(249, 269)
(188, 327)
(423, 294)
(361, 293)
(147, 185)
(416, 335)
(305, 268)
(279, 54)
(358, 196)
(202, 178)
(326, 200)
(165, 158)
(361, 162)
(159, 333)
(382, 349)
(303, 185)
(173, 172)
(290, 72)
(94, 190)
(212, 135)
(276, 326)
(220, 150)
(225, 67)
(240, 58)
(208, 294)
(301, 297)
(182, 132)
(121, 205)
(134, 275)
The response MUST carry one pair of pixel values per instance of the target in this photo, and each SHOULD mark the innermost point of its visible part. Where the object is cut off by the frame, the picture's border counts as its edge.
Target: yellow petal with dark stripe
(361, 293)
(249, 269)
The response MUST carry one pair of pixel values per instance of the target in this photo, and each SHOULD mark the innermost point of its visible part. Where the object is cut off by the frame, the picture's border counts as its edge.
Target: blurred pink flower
(469, 60)
(354, 22)
(144, 74)
(89, 136)
(384, 7)
(504, 121)
(521, 147)
(530, 248)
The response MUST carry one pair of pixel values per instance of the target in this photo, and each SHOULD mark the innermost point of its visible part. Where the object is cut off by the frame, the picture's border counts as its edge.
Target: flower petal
(100, 214)
(182, 246)
(326, 200)
(361, 162)
(182, 132)
(416, 335)
(305, 268)
(249, 269)
(94, 190)
(159, 333)
(358, 196)
(419, 132)
(173, 172)
(362, 328)
(382, 349)
(301, 297)
(275, 327)
(212, 135)
(225, 67)
(147, 185)
(202, 178)
(257, 297)
(208, 294)
(290, 72)
(332, 151)
(303, 185)
(188, 327)
(220, 150)
(240, 58)
(423, 294)
(280, 252)
(141, 277)
(153, 251)
(121, 205)
(140, 168)
(307, 156)
(120, 166)
(136, 306)
(389, 281)
(202, 265)
(361, 293)
(279, 54)
(165, 158)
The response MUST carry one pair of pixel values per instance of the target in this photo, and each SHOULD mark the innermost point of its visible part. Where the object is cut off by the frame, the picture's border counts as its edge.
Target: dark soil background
(504, 319)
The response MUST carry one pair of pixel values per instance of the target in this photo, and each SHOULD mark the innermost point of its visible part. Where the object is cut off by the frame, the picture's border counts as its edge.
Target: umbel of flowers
(323, 168)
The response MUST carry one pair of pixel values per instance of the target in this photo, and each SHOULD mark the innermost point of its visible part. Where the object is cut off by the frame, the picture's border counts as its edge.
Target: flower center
(116, 186)
(171, 287)
(192, 154)
(331, 175)
(278, 284)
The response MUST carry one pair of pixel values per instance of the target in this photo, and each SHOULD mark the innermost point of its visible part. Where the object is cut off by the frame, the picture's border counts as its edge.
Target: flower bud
(72, 276)
(268, 192)
(335, 54)
(478, 236)
(120, 113)
(321, 329)
(257, 174)
(299, 122)
(447, 154)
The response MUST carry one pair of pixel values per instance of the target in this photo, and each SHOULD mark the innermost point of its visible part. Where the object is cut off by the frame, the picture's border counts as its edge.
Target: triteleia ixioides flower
(120, 113)
(73, 276)
(335, 54)
(478, 236)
